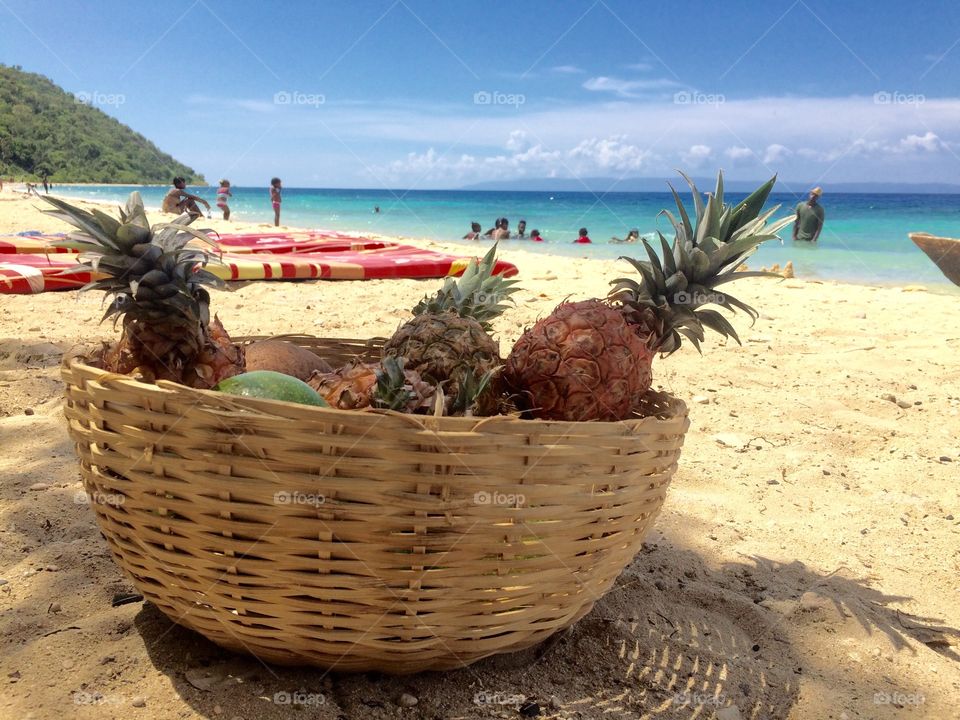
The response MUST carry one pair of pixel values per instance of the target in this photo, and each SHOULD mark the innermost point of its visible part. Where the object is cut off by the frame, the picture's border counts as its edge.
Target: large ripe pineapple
(448, 340)
(592, 360)
(156, 283)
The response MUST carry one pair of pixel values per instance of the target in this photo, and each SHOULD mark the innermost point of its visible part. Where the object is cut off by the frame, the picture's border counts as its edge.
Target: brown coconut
(284, 357)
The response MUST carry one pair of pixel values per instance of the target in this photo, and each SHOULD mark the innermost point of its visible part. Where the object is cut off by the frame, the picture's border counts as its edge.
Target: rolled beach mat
(945, 253)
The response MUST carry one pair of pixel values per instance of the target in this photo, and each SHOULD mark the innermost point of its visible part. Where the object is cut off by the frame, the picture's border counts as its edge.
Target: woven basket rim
(78, 359)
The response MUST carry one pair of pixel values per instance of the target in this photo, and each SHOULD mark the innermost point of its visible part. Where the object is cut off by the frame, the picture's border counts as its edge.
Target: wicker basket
(364, 540)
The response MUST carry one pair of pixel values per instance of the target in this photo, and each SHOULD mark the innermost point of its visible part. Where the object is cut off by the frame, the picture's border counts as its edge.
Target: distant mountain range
(606, 184)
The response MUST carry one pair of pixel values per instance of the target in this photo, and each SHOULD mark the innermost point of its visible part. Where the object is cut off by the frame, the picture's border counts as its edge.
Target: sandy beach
(806, 564)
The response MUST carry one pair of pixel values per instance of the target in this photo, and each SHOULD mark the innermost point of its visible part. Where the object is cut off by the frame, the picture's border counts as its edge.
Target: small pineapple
(399, 389)
(386, 385)
(592, 360)
(156, 283)
(448, 339)
(348, 387)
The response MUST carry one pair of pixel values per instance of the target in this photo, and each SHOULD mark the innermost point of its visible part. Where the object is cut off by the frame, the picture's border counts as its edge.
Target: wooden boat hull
(945, 253)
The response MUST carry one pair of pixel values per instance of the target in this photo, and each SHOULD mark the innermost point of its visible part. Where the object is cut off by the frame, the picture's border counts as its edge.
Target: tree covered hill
(45, 130)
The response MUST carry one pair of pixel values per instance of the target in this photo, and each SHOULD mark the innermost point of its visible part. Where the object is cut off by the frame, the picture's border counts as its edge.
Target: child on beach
(521, 229)
(474, 233)
(535, 236)
(584, 238)
(179, 201)
(222, 194)
(275, 189)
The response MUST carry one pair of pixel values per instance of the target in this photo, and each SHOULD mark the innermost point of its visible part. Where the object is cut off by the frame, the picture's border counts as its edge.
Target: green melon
(271, 385)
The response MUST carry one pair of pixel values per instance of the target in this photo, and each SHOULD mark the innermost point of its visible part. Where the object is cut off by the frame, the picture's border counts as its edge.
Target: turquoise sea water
(864, 239)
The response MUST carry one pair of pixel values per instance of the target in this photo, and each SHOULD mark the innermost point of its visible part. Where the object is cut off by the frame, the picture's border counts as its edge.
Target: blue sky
(409, 93)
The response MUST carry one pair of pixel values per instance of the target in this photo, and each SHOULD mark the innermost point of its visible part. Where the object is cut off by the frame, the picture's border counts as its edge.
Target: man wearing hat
(809, 220)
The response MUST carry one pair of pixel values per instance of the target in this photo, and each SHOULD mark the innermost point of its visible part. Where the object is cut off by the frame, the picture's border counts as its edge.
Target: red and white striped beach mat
(33, 264)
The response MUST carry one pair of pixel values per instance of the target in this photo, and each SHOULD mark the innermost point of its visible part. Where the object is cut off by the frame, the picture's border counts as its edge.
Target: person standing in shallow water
(809, 221)
(276, 187)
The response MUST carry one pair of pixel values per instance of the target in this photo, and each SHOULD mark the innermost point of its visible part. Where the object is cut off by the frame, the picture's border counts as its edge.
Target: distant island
(46, 131)
(608, 184)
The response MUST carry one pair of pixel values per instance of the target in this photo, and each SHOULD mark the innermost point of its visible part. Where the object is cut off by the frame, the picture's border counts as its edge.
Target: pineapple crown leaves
(478, 293)
(469, 390)
(399, 389)
(133, 255)
(676, 284)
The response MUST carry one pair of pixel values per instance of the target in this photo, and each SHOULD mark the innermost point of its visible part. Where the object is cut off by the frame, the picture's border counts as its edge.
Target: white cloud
(627, 88)
(568, 69)
(776, 153)
(928, 142)
(697, 155)
(738, 153)
(517, 140)
(592, 156)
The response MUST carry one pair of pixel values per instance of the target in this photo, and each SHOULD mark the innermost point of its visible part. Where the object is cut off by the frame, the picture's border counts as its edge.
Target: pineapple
(592, 360)
(387, 385)
(448, 339)
(156, 283)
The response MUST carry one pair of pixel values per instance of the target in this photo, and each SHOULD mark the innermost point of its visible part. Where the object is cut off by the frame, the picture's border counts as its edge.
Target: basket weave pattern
(364, 540)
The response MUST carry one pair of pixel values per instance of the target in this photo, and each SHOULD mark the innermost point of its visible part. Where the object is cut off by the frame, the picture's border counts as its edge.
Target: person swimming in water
(631, 237)
(474, 233)
(583, 238)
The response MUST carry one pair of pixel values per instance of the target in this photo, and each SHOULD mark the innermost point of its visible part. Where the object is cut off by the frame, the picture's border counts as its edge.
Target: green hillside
(45, 130)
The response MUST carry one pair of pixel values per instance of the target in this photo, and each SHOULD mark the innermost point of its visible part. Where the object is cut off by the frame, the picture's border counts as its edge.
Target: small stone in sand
(530, 709)
(889, 397)
(701, 399)
(28, 411)
(55, 608)
(39, 486)
(3, 582)
(139, 702)
(945, 459)
(904, 404)
(407, 700)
